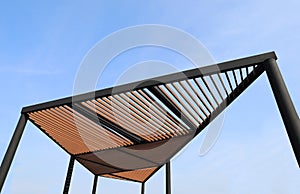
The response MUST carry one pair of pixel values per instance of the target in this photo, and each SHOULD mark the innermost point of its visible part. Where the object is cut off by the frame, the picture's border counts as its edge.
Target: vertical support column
(168, 178)
(69, 175)
(287, 110)
(143, 188)
(11, 150)
(95, 184)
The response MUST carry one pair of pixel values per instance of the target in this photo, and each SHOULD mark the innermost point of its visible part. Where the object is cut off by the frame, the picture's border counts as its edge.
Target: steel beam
(143, 188)
(69, 175)
(190, 74)
(95, 184)
(11, 150)
(287, 110)
(168, 178)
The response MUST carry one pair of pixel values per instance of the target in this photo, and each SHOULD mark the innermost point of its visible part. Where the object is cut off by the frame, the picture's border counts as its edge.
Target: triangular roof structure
(128, 132)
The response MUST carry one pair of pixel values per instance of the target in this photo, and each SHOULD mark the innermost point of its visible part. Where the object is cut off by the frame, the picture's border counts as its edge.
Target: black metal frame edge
(220, 67)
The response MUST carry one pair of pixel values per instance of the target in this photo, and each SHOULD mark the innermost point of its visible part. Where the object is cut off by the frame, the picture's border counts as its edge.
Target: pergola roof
(128, 132)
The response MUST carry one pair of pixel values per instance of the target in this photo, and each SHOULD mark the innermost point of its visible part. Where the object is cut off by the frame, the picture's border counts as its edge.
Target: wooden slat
(161, 111)
(138, 175)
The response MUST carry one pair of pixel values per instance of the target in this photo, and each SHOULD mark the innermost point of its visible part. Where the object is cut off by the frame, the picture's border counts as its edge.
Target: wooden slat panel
(74, 132)
(138, 175)
(136, 112)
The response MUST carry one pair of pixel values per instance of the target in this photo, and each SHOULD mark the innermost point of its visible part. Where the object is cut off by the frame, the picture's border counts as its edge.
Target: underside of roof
(128, 132)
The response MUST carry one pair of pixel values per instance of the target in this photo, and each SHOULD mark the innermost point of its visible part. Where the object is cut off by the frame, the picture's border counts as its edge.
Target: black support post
(69, 175)
(95, 184)
(11, 150)
(287, 110)
(143, 188)
(168, 178)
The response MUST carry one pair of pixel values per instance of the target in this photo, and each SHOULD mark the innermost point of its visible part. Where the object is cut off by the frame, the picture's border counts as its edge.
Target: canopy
(130, 131)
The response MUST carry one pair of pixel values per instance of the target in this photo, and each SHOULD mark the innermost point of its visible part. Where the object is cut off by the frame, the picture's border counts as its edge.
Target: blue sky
(43, 43)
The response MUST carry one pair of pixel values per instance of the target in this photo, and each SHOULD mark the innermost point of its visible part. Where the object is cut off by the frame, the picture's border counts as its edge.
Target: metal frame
(202, 71)
(12, 148)
(143, 188)
(69, 175)
(285, 105)
(260, 63)
(168, 178)
(95, 184)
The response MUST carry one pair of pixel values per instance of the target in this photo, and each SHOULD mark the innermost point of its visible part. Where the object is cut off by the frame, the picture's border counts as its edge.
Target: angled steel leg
(95, 184)
(69, 175)
(143, 188)
(11, 150)
(287, 110)
(168, 178)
